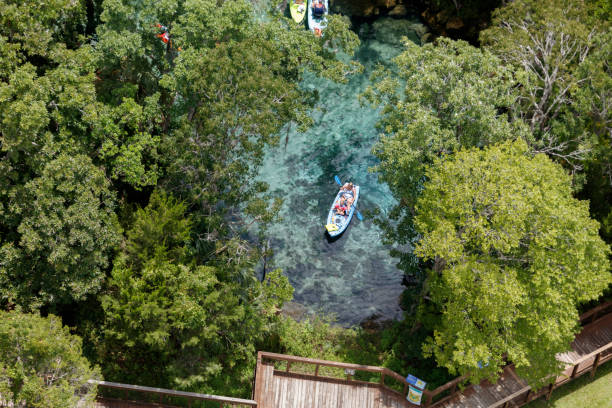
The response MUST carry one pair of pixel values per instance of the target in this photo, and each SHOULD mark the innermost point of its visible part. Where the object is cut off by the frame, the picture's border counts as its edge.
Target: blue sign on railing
(411, 379)
(415, 389)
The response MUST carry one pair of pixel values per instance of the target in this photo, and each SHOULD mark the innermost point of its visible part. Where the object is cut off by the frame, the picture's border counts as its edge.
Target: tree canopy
(437, 99)
(41, 364)
(513, 254)
(551, 40)
(443, 97)
(65, 233)
(170, 322)
(85, 122)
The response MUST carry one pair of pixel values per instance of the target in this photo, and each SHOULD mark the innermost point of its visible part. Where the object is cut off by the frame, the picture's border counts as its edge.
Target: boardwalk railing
(586, 364)
(449, 390)
(190, 396)
(316, 370)
(591, 315)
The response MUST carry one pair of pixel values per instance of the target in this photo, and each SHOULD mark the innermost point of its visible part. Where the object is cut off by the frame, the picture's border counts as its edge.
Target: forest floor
(583, 392)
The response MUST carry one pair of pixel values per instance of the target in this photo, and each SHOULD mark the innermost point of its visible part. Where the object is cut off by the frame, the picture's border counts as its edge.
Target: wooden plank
(257, 392)
(117, 403)
(269, 386)
(511, 397)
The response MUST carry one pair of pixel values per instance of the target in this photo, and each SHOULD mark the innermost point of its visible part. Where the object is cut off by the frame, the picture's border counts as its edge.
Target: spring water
(353, 278)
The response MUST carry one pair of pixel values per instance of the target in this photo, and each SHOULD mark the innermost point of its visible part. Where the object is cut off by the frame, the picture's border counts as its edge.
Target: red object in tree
(165, 37)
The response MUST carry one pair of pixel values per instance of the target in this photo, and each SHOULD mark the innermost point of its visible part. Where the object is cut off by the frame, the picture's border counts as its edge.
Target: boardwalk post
(550, 390)
(528, 395)
(454, 389)
(429, 399)
(574, 371)
(382, 379)
(595, 364)
(316, 370)
(288, 365)
(258, 379)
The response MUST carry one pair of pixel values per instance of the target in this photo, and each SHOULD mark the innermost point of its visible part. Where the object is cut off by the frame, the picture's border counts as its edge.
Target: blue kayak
(336, 223)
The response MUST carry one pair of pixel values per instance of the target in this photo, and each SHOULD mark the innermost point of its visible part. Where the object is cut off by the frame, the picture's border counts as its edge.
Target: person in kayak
(349, 193)
(318, 8)
(340, 207)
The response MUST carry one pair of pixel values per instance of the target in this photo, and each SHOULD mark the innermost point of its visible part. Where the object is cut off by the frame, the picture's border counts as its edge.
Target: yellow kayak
(298, 10)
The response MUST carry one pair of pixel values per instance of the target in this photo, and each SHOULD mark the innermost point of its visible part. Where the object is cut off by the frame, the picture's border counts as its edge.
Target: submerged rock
(367, 8)
(454, 23)
(375, 323)
(399, 11)
(392, 31)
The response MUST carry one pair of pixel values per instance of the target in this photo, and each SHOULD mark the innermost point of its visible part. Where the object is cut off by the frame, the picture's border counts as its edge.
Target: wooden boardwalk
(307, 388)
(283, 381)
(591, 347)
(294, 390)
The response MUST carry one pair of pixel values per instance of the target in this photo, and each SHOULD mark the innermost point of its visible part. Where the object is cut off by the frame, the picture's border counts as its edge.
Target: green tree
(32, 30)
(512, 255)
(440, 98)
(65, 229)
(57, 224)
(593, 99)
(549, 40)
(41, 364)
(170, 322)
(444, 97)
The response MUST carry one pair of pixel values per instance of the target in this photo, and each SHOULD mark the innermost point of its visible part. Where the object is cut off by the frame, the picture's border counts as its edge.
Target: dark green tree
(57, 221)
(172, 323)
(65, 229)
(593, 99)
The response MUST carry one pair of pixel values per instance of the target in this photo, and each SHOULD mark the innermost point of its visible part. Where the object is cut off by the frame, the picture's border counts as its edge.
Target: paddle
(356, 210)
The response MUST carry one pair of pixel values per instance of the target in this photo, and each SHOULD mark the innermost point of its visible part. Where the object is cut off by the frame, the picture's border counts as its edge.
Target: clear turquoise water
(353, 277)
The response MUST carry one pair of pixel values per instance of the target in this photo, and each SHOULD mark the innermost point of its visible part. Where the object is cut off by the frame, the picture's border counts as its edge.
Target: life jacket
(319, 9)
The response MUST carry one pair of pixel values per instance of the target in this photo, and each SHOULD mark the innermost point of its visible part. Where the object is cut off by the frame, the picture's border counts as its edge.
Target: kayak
(336, 223)
(298, 10)
(317, 24)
